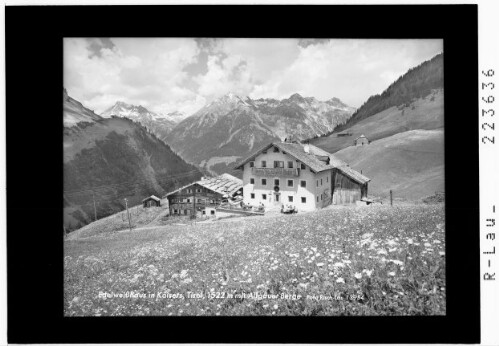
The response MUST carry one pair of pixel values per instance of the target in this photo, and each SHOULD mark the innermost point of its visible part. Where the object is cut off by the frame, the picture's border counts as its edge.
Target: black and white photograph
(250, 173)
(218, 176)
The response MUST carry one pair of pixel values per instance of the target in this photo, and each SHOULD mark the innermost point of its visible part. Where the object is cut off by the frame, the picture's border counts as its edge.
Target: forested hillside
(416, 83)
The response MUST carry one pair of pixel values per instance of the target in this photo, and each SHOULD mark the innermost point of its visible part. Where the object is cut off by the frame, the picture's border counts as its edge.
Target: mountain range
(109, 159)
(231, 126)
(158, 124)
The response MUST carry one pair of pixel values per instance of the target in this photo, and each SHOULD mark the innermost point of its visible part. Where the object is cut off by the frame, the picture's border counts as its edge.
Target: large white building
(301, 175)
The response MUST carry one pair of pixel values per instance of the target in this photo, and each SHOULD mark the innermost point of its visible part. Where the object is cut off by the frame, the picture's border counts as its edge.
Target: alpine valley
(232, 126)
(109, 159)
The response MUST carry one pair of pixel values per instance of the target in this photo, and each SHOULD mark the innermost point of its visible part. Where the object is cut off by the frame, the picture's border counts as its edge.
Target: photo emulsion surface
(253, 177)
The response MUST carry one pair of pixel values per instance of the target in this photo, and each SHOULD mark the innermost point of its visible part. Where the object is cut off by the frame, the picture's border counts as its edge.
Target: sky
(183, 74)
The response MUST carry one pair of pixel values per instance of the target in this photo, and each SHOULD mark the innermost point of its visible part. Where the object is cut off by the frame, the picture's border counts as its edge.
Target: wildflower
(397, 262)
(368, 272)
(276, 306)
(391, 273)
(320, 264)
(382, 252)
(427, 244)
(410, 241)
(437, 241)
(339, 264)
(441, 253)
(266, 306)
(340, 281)
(358, 275)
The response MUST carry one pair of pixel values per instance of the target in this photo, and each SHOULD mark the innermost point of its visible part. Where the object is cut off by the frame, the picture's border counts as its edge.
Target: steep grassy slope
(114, 159)
(424, 113)
(410, 163)
(416, 83)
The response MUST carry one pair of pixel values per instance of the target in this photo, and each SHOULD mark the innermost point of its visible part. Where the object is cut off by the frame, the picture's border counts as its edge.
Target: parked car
(288, 209)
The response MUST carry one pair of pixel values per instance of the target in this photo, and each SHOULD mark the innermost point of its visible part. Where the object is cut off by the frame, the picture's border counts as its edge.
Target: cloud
(168, 74)
(351, 70)
(138, 71)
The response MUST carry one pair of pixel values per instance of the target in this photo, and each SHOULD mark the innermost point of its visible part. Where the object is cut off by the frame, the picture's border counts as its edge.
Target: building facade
(300, 175)
(201, 198)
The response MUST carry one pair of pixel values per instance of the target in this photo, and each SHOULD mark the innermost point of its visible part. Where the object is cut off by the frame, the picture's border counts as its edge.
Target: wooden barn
(348, 186)
(202, 197)
(362, 140)
(151, 201)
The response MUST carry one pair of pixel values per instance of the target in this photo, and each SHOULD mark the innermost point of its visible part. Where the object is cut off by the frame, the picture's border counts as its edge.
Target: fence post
(391, 197)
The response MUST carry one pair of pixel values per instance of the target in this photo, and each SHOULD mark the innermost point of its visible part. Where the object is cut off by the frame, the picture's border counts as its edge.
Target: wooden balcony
(275, 172)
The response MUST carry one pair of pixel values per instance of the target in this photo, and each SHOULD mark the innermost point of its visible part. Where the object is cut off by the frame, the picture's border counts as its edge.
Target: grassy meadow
(376, 260)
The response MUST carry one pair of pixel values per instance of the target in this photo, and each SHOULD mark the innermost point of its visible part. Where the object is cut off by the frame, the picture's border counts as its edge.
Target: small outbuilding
(151, 201)
(362, 140)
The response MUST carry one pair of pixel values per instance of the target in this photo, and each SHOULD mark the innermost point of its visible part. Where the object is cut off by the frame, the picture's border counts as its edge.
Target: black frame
(34, 235)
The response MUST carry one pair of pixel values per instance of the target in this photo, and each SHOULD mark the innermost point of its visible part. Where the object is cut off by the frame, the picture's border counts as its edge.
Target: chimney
(306, 148)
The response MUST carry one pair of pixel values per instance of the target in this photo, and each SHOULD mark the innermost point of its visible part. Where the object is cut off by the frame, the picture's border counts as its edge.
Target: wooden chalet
(202, 197)
(151, 201)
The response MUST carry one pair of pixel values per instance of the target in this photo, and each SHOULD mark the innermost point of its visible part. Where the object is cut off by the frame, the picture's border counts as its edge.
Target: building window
(264, 164)
(188, 200)
(290, 198)
(317, 183)
(212, 212)
(327, 179)
(264, 196)
(278, 164)
(317, 198)
(290, 183)
(290, 164)
(204, 212)
(304, 199)
(321, 181)
(189, 191)
(252, 196)
(276, 149)
(321, 196)
(302, 166)
(276, 182)
(252, 180)
(252, 164)
(264, 181)
(199, 200)
(303, 183)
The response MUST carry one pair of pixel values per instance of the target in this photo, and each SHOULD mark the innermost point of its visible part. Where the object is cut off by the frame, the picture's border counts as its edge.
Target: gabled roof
(313, 159)
(361, 136)
(222, 184)
(152, 197)
(352, 173)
